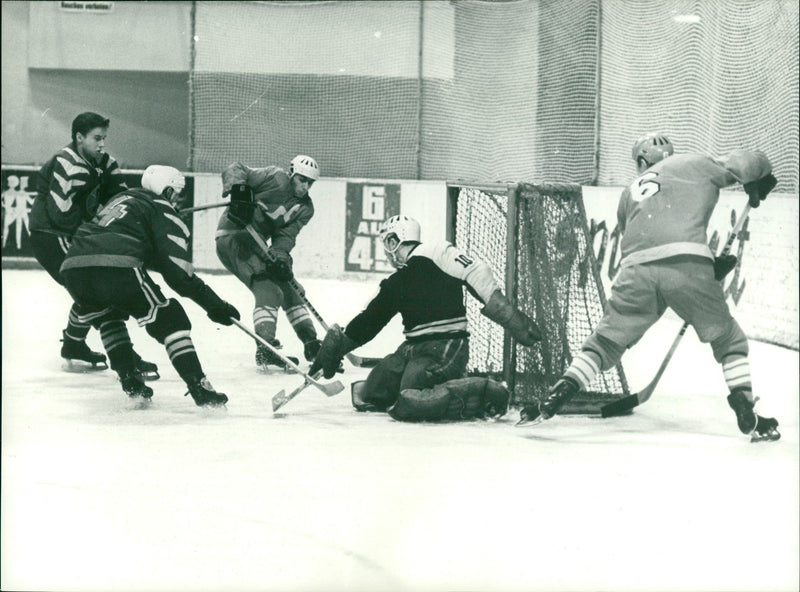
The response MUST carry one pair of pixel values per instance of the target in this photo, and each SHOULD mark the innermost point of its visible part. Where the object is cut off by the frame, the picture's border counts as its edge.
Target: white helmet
(304, 165)
(158, 177)
(653, 148)
(402, 228)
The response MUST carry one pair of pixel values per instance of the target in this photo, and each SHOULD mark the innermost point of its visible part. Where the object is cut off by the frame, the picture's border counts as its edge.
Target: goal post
(536, 240)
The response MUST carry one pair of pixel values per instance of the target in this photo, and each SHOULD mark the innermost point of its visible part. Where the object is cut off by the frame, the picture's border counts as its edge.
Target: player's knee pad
(169, 319)
(454, 400)
(732, 341)
(608, 351)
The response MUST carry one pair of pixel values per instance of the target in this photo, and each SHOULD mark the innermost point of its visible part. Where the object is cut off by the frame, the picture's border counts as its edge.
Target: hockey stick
(354, 359)
(330, 389)
(282, 398)
(620, 406)
(205, 207)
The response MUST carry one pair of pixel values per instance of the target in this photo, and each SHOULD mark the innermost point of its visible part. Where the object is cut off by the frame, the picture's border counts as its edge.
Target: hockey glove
(723, 265)
(521, 327)
(334, 347)
(279, 265)
(218, 310)
(242, 204)
(758, 190)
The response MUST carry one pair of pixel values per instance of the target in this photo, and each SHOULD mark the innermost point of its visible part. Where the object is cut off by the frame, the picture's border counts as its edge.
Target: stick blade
(623, 406)
(279, 400)
(331, 388)
(363, 362)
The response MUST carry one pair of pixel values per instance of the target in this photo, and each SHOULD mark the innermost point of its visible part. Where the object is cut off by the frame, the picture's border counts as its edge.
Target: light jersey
(279, 215)
(69, 190)
(137, 229)
(428, 294)
(665, 211)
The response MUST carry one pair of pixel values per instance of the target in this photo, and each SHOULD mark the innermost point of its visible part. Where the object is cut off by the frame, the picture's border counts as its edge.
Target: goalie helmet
(304, 165)
(652, 147)
(157, 178)
(404, 230)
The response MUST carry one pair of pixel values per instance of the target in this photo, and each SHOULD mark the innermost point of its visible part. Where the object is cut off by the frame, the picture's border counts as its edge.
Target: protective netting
(554, 281)
(547, 89)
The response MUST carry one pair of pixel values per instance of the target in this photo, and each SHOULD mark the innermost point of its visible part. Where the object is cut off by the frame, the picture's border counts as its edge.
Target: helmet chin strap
(393, 256)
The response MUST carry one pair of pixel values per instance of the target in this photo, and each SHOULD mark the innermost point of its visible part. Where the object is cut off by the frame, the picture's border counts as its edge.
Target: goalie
(424, 380)
(275, 204)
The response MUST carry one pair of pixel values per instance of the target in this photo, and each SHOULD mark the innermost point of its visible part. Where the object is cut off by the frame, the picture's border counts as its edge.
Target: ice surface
(98, 495)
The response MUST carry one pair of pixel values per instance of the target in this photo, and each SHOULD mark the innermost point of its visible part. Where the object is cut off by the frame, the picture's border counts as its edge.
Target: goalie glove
(334, 347)
(242, 204)
(723, 265)
(521, 327)
(758, 190)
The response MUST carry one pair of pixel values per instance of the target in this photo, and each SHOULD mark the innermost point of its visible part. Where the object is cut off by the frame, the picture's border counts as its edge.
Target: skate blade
(770, 436)
(149, 376)
(81, 367)
(529, 421)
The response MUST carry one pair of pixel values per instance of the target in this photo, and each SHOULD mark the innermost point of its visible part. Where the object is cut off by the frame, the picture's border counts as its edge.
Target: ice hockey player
(283, 207)
(106, 272)
(424, 380)
(666, 262)
(70, 188)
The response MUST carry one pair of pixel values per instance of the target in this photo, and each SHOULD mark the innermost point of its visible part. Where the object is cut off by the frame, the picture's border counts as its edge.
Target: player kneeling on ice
(666, 262)
(424, 380)
(105, 271)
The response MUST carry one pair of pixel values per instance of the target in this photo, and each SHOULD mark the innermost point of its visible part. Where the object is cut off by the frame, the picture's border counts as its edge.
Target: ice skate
(204, 394)
(559, 394)
(266, 359)
(310, 349)
(760, 429)
(147, 370)
(135, 387)
(74, 350)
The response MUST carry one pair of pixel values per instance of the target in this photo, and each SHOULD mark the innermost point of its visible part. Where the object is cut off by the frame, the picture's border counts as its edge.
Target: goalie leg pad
(454, 400)
(382, 386)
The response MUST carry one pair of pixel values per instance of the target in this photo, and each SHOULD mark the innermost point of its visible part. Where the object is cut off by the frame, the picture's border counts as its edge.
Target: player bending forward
(666, 262)
(106, 272)
(282, 208)
(424, 379)
(70, 187)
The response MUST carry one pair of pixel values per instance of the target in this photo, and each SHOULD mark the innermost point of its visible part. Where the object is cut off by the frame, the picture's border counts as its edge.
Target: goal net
(535, 239)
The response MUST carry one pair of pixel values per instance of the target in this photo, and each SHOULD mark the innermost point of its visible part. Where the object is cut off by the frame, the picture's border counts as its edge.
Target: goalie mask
(395, 232)
(158, 178)
(653, 148)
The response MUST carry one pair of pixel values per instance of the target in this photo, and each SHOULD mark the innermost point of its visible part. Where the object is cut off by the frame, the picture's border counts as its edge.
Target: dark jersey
(70, 189)
(137, 229)
(279, 215)
(428, 294)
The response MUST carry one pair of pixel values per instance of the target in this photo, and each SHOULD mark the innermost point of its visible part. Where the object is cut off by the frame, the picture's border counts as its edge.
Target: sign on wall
(18, 193)
(368, 206)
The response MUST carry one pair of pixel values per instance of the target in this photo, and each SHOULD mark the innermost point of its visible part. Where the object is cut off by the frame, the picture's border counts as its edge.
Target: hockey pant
(239, 256)
(415, 366)
(108, 294)
(50, 250)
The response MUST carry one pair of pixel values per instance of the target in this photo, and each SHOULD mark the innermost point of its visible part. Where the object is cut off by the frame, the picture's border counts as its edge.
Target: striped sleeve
(171, 240)
(476, 274)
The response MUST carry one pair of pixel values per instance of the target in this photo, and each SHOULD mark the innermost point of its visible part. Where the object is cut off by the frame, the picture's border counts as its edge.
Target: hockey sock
(117, 344)
(301, 323)
(736, 370)
(265, 319)
(183, 355)
(584, 368)
(76, 329)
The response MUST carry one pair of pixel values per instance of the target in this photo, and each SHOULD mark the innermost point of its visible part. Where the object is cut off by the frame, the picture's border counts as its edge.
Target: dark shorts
(50, 250)
(100, 290)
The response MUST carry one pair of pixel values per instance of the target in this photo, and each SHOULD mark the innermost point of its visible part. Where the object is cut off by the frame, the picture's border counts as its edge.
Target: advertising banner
(368, 206)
